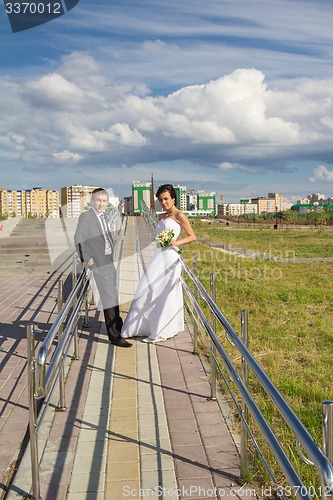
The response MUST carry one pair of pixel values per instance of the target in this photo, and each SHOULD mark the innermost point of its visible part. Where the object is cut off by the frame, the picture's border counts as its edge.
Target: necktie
(107, 235)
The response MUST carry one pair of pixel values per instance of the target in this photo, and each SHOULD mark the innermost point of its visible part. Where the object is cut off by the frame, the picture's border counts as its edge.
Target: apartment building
(191, 200)
(141, 191)
(181, 197)
(74, 199)
(207, 202)
(35, 202)
(272, 203)
(128, 205)
(237, 209)
(192, 203)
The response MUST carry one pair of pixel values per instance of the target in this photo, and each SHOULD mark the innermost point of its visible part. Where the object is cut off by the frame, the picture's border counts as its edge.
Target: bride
(157, 308)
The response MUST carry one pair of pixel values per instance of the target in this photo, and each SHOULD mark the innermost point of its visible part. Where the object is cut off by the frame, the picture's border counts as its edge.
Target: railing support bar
(212, 347)
(76, 330)
(33, 412)
(86, 312)
(327, 422)
(62, 403)
(244, 435)
(195, 327)
(74, 272)
(76, 343)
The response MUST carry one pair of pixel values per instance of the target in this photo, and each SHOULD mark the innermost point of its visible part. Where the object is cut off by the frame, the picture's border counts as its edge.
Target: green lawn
(290, 317)
(283, 242)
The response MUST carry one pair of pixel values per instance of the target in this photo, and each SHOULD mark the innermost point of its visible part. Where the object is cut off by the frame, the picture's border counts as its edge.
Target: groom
(95, 246)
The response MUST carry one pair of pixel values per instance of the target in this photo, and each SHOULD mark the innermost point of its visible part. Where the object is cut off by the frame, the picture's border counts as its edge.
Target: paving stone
(131, 424)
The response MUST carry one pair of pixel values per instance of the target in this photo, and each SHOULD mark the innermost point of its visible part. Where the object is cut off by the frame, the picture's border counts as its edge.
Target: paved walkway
(23, 299)
(139, 422)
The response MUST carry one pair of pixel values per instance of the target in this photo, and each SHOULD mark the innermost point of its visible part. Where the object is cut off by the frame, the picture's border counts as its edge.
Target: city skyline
(222, 97)
(180, 187)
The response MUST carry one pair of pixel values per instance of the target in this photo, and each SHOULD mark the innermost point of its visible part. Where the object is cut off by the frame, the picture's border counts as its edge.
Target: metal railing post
(327, 423)
(33, 412)
(62, 403)
(76, 343)
(92, 301)
(245, 377)
(249, 406)
(76, 331)
(74, 272)
(212, 347)
(86, 312)
(195, 293)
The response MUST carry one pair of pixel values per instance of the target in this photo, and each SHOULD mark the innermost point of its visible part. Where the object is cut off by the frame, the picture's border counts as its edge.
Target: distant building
(237, 209)
(35, 202)
(128, 205)
(12, 202)
(272, 203)
(314, 198)
(75, 199)
(52, 203)
(114, 201)
(191, 200)
(181, 197)
(140, 191)
(207, 202)
(302, 201)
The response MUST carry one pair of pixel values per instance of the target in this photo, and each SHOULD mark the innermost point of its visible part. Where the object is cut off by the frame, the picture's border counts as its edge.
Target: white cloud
(226, 166)
(158, 47)
(67, 156)
(228, 110)
(161, 86)
(54, 91)
(321, 173)
(235, 121)
(121, 132)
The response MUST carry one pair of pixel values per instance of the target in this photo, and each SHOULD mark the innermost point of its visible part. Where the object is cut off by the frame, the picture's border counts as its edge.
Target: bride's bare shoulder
(180, 216)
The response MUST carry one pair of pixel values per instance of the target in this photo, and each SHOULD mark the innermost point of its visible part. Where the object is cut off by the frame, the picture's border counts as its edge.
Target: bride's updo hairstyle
(170, 189)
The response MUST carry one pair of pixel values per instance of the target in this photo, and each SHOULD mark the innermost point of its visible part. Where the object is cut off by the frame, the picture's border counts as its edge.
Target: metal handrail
(321, 462)
(303, 437)
(46, 378)
(255, 411)
(42, 378)
(42, 385)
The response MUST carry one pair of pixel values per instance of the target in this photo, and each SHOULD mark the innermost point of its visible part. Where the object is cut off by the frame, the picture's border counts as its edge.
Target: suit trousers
(106, 282)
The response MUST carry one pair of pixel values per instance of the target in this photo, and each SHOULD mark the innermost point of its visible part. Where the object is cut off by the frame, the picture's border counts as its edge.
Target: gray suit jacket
(89, 240)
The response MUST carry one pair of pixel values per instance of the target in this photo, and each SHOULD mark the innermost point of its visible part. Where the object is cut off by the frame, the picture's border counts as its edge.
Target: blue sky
(234, 96)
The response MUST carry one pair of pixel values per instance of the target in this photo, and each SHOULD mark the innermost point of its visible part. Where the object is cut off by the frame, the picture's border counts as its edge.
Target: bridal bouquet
(164, 238)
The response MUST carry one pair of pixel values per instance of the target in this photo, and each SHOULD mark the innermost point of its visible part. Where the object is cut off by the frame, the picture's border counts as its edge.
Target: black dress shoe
(120, 342)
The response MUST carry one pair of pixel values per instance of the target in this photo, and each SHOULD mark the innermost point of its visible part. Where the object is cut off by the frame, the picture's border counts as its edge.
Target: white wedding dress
(157, 308)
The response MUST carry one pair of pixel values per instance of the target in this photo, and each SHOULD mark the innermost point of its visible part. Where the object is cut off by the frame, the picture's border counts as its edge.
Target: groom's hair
(99, 190)
(170, 189)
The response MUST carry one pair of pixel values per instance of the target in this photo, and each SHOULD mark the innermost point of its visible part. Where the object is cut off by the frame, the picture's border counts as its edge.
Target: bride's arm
(185, 224)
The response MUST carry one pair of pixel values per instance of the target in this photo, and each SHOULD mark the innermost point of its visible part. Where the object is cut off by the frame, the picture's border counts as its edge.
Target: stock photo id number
(24, 15)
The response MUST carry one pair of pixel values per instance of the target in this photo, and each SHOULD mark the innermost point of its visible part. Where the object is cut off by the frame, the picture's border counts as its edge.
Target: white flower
(164, 238)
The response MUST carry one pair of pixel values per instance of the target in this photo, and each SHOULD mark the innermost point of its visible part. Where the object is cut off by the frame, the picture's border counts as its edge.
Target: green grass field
(283, 242)
(290, 318)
